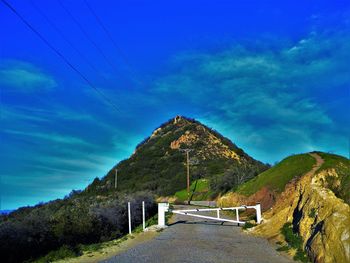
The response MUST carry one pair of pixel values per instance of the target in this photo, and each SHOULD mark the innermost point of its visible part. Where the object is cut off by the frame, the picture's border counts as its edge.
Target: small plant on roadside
(61, 253)
(248, 225)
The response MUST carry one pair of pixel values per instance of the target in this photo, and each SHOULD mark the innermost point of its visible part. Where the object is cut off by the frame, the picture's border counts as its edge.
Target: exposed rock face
(320, 218)
(188, 138)
(317, 214)
(210, 144)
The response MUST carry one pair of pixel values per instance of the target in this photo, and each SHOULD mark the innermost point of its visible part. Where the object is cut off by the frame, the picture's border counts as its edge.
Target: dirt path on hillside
(319, 162)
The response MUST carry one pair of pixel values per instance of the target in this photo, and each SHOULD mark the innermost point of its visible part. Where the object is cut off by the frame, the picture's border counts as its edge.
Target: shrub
(248, 225)
(294, 241)
(60, 226)
(312, 213)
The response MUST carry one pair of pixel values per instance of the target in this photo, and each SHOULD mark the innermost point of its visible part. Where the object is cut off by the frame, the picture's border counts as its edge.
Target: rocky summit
(159, 162)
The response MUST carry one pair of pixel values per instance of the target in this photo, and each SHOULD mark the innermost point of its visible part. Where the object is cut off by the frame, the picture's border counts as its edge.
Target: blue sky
(272, 77)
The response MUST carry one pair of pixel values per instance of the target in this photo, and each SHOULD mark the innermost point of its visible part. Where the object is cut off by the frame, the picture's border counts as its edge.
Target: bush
(60, 226)
(248, 225)
(301, 256)
(294, 241)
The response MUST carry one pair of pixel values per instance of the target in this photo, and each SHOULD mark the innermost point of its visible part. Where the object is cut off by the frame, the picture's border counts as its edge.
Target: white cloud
(266, 101)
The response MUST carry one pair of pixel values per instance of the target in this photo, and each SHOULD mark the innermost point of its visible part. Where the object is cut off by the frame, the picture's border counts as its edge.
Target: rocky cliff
(315, 204)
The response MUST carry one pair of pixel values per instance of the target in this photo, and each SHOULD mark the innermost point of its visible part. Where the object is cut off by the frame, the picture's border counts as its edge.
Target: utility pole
(116, 179)
(188, 176)
(187, 151)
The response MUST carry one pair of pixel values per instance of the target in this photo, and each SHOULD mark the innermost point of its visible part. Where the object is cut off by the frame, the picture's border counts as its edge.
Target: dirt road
(197, 240)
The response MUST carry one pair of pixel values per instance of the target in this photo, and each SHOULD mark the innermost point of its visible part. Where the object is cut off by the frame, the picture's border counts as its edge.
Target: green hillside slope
(276, 178)
(340, 184)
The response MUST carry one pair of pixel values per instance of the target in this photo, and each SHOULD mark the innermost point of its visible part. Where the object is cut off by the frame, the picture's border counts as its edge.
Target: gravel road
(197, 240)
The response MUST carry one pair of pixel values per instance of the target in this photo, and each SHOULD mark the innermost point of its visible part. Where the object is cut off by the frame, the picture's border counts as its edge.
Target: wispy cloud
(45, 113)
(264, 97)
(50, 137)
(22, 76)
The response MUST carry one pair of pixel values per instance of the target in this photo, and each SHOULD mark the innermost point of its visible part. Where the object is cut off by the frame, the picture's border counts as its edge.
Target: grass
(279, 175)
(295, 241)
(199, 190)
(61, 253)
(342, 167)
(151, 221)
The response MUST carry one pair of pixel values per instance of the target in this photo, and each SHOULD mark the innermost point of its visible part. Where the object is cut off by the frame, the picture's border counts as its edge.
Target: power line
(109, 35)
(58, 53)
(62, 35)
(87, 36)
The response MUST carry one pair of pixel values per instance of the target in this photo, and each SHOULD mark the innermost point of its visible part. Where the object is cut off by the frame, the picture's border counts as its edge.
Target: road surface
(197, 240)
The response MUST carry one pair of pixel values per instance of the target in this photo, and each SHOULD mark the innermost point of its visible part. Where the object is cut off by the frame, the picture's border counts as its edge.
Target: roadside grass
(199, 190)
(61, 253)
(279, 175)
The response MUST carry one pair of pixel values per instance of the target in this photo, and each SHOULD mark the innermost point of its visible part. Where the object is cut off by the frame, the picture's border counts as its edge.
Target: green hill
(278, 176)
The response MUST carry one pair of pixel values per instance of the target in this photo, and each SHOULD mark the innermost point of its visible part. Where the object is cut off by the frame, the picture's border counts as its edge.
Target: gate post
(258, 213)
(162, 208)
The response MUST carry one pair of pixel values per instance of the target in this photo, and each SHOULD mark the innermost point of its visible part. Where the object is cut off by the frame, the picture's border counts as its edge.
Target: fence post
(143, 216)
(218, 213)
(258, 213)
(162, 208)
(237, 214)
(129, 216)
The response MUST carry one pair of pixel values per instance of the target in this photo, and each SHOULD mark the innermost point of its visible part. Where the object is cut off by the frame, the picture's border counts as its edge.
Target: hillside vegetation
(99, 212)
(199, 190)
(67, 223)
(340, 184)
(159, 163)
(276, 178)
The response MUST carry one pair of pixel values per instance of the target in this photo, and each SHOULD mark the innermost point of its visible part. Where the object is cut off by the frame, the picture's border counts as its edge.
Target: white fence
(143, 217)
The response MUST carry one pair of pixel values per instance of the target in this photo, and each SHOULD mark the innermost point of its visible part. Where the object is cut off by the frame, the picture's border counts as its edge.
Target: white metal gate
(164, 207)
